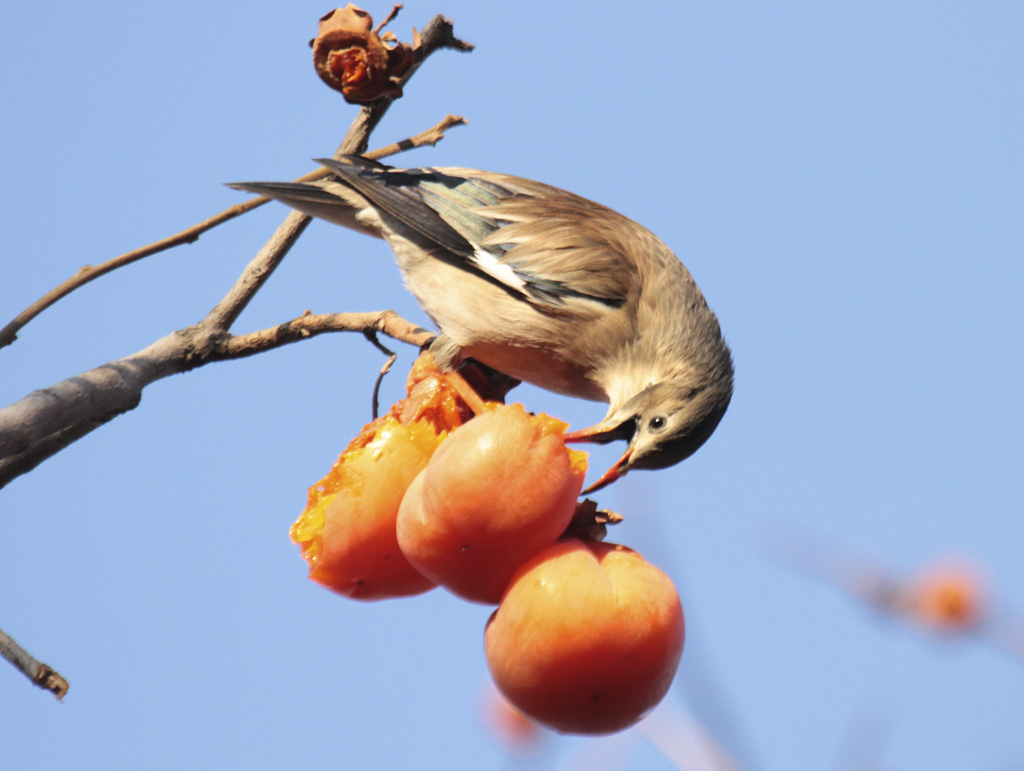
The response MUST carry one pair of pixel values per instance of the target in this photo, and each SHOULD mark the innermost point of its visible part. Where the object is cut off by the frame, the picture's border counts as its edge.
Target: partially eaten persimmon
(347, 530)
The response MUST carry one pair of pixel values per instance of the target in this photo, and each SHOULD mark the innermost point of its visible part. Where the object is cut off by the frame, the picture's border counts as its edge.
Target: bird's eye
(657, 424)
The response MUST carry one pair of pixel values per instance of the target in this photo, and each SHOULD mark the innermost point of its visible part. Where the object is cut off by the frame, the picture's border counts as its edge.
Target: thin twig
(39, 673)
(310, 325)
(389, 18)
(190, 235)
(392, 358)
(431, 137)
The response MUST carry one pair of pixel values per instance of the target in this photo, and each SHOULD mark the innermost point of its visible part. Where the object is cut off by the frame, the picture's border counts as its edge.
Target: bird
(546, 287)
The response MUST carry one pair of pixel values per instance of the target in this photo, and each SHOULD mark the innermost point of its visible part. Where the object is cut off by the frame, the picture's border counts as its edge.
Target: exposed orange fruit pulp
(347, 530)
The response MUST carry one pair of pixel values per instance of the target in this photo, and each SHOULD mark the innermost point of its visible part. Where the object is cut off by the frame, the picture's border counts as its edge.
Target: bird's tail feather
(288, 191)
(316, 200)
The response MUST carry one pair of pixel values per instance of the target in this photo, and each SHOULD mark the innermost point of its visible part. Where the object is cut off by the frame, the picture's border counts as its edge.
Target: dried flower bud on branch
(353, 58)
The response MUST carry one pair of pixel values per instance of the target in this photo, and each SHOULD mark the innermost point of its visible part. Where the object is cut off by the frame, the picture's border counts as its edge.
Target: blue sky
(845, 181)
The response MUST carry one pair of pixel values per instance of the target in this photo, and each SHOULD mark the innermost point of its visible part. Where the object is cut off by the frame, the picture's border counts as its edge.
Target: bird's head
(664, 424)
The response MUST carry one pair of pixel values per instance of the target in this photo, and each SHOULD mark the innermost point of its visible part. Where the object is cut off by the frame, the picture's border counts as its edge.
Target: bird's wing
(539, 242)
(395, 192)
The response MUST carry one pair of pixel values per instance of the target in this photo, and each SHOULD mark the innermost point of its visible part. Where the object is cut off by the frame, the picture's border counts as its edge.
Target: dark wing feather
(539, 242)
(395, 192)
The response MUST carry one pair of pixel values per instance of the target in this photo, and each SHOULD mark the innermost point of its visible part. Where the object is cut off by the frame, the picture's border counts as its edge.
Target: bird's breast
(547, 367)
(492, 324)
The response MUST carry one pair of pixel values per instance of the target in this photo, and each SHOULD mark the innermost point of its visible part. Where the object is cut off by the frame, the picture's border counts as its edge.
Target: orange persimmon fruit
(500, 489)
(587, 638)
(948, 597)
(347, 530)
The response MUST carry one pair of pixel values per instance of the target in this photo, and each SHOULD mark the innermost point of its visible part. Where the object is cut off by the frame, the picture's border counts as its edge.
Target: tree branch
(46, 421)
(39, 673)
(304, 327)
(256, 273)
(89, 273)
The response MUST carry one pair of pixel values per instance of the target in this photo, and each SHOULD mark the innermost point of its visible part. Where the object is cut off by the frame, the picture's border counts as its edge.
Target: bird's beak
(617, 470)
(604, 432)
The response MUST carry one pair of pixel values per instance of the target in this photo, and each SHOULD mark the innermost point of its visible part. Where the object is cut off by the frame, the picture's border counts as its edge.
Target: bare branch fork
(48, 420)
